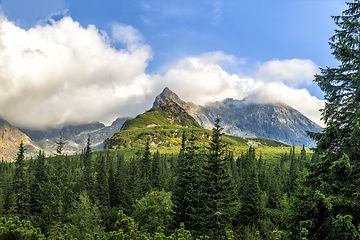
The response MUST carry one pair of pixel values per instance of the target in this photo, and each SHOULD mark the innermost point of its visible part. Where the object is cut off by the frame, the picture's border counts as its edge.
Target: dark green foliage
(88, 178)
(38, 193)
(221, 199)
(329, 196)
(234, 169)
(341, 86)
(252, 207)
(293, 173)
(38, 184)
(329, 206)
(274, 191)
(134, 182)
(120, 194)
(146, 169)
(156, 171)
(189, 193)
(20, 184)
(102, 187)
(202, 179)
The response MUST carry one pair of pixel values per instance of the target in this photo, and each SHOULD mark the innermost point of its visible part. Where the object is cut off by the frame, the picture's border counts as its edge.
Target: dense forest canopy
(202, 191)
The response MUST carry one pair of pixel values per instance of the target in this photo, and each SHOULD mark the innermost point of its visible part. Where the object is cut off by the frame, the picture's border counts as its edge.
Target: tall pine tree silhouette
(219, 186)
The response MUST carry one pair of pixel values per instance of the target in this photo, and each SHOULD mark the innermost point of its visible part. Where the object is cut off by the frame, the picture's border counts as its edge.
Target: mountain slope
(10, 139)
(163, 125)
(246, 119)
(75, 136)
(168, 113)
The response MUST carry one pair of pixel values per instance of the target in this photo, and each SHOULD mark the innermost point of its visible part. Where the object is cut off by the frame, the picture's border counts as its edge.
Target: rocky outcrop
(246, 119)
(10, 139)
(75, 136)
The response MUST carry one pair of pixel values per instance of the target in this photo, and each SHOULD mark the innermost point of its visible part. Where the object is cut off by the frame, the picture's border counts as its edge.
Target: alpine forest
(164, 176)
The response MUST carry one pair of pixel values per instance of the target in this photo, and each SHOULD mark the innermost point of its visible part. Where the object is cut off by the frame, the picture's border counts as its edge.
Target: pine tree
(38, 193)
(38, 184)
(220, 188)
(121, 197)
(134, 182)
(20, 184)
(156, 171)
(189, 193)
(102, 188)
(329, 206)
(274, 190)
(146, 170)
(293, 175)
(234, 169)
(88, 179)
(252, 207)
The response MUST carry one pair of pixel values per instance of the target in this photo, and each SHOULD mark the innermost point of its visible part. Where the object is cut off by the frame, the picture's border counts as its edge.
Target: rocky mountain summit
(244, 118)
(10, 139)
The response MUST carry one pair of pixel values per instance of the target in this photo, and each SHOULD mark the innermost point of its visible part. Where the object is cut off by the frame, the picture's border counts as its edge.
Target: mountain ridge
(163, 125)
(244, 118)
(74, 136)
(10, 139)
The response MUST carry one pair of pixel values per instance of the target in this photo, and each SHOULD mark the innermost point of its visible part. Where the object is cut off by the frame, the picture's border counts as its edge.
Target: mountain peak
(165, 96)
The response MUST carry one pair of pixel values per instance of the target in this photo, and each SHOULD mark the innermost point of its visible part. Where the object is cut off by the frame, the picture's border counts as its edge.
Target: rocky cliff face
(75, 136)
(10, 139)
(245, 119)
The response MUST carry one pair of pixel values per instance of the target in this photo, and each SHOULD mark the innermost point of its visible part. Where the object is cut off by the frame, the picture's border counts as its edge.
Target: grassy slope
(269, 154)
(164, 125)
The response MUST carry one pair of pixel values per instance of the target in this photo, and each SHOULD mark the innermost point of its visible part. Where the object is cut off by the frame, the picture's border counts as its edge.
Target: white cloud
(300, 99)
(64, 72)
(292, 71)
(67, 73)
(201, 79)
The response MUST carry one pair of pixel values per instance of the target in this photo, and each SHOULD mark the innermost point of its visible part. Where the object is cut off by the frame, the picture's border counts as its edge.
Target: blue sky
(203, 50)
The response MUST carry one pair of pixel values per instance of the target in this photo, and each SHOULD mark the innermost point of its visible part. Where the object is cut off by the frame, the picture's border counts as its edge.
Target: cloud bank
(291, 71)
(66, 73)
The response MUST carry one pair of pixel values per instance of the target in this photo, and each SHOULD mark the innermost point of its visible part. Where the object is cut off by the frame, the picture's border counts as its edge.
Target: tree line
(203, 188)
(201, 192)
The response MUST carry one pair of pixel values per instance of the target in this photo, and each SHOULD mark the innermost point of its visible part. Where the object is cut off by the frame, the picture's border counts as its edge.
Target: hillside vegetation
(163, 126)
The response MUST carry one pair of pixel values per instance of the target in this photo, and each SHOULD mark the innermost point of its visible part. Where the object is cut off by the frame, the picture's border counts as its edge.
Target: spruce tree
(252, 207)
(120, 196)
(156, 171)
(146, 169)
(189, 192)
(88, 179)
(102, 188)
(274, 190)
(219, 186)
(329, 207)
(37, 194)
(134, 182)
(20, 184)
(234, 169)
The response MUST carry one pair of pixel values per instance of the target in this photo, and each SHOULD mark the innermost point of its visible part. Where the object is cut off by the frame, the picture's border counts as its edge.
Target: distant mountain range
(75, 136)
(241, 118)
